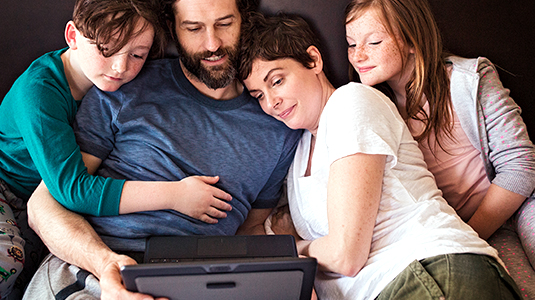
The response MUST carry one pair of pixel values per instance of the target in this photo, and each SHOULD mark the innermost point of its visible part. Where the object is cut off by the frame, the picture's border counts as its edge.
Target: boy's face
(208, 32)
(110, 73)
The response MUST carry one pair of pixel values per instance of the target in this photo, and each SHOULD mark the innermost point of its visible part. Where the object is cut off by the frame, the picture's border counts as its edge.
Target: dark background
(503, 31)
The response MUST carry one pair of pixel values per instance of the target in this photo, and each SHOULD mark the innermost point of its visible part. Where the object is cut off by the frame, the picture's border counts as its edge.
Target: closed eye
(258, 96)
(376, 43)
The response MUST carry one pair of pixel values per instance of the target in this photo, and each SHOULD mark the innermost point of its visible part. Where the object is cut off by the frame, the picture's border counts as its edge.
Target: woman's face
(287, 91)
(372, 51)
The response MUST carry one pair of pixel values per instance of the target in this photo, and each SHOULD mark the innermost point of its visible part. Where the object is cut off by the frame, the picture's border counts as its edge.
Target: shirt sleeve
(45, 118)
(271, 192)
(512, 153)
(360, 119)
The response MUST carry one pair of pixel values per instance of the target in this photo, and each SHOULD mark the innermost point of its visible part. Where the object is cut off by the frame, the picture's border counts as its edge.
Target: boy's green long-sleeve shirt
(37, 142)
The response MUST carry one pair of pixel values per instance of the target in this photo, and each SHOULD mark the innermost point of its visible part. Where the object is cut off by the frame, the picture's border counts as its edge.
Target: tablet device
(222, 267)
(201, 247)
(259, 279)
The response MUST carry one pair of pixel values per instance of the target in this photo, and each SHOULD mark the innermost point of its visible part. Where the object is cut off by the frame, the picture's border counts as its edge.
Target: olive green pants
(452, 276)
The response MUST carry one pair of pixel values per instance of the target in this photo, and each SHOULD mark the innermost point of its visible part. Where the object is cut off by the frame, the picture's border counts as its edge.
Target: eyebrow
(230, 16)
(271, 71)
(141, 47)
(266, 78)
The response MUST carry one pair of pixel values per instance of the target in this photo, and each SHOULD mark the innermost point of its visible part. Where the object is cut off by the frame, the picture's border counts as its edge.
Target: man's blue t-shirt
(160, 127)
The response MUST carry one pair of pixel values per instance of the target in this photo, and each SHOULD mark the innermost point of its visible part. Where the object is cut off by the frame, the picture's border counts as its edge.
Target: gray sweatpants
(58, 280)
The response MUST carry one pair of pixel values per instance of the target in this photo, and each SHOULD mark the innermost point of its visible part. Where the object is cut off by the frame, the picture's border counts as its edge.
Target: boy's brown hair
(275, 37)
(110, 24)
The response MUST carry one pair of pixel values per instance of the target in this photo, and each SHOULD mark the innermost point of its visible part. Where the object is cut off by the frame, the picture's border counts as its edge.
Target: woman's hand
(281, 222)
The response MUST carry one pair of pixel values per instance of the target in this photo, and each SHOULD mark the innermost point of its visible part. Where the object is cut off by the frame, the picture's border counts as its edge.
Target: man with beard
(178, 118)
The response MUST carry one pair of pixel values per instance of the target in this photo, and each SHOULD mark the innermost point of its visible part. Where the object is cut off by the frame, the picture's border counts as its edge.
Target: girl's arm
(353, 196)
(510, 151)
(497, 206)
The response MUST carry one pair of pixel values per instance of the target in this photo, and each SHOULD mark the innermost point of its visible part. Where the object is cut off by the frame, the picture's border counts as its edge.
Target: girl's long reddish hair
(413, 22)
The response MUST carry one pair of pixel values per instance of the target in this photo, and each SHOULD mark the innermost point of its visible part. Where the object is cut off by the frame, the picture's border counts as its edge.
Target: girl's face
(287, 91)
(373, 52)
(110, 73)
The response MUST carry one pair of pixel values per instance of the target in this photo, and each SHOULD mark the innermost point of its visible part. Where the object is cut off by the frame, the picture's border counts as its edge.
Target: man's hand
(111, 282)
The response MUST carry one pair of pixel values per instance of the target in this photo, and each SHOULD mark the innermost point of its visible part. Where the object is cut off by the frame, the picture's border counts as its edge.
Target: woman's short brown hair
(110, 24)
(275, 37)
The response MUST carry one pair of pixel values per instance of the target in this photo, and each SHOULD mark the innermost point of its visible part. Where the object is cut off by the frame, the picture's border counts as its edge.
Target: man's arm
(254, 223)
(71, 238)
(66, 234)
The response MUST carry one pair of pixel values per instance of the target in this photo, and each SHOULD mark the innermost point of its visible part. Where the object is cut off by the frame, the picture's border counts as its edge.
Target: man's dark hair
(244, 7)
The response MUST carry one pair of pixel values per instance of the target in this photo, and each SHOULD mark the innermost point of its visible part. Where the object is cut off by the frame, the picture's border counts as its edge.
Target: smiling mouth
(214, 58)
(283, 115)
(113, 78)
(365, 69)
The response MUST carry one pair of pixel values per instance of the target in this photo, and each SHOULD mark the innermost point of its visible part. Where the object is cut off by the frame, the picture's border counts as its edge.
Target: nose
(213, 41)
(120, 63)
(357, 54)
(273, 101)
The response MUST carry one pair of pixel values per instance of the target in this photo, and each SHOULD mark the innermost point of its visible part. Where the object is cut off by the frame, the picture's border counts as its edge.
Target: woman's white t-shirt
(414, 221)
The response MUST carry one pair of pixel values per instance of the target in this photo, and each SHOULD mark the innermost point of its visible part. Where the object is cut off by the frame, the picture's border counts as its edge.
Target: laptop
(222, 267)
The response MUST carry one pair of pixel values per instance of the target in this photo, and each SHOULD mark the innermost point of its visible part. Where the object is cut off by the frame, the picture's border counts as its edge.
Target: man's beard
(213, 77)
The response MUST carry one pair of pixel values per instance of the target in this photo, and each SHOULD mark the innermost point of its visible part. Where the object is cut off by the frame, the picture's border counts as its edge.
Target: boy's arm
(91, 162)
(194, 196)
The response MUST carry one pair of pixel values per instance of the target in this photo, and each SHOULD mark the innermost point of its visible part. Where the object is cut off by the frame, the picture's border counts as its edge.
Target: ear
(71, 34)
(315, 54)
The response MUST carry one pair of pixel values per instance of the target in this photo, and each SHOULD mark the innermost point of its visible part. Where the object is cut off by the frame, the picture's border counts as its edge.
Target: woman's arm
(254, 223)
(353, 196)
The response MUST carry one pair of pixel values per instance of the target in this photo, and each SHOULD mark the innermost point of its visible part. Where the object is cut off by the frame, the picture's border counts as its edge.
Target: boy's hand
(201, 200)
